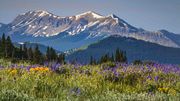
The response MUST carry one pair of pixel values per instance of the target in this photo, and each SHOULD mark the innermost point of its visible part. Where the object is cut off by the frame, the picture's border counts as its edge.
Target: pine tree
(13, 52)
(3, 42)
(37, 58)
(120, 56)
(1, 50)
(124, 57)
(53, 55)
(20, 55)
(48, 54)
(91, 60)
(112, 58)
(61, 58)
(30, 54)
(117, 58)
(105, 58)
(25, 54)
(8, 47)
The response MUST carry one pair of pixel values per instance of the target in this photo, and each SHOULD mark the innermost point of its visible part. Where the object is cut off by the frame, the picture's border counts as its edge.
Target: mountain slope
(172, 36)
(1, 24)
(135, 49)
(86, 28)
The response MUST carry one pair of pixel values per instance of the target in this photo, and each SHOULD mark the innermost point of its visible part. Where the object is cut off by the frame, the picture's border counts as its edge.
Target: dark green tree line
(9, 51)
(120, 56)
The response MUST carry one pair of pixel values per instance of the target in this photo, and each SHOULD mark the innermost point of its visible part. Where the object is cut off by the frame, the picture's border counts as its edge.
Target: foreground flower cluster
(39, 69)
(108, 81)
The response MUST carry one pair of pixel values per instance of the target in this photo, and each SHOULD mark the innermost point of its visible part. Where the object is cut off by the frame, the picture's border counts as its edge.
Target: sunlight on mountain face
(91, 25)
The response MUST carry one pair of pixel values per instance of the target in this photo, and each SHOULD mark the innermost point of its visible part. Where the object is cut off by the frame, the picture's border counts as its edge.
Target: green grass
(88, 83)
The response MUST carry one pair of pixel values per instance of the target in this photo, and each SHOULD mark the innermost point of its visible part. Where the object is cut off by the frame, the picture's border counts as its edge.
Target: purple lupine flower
(34, 66)
(156, 78)
(75, 91)
(116, 74)
(1, 66)
(114, 69)
(76, 66)
(149, 67)
(55, 66)
(166, 70)
(13, 66)
(28, 68)
(22, 66)
(46, 63)
(124, 69)
(149, 77)
(142, 69)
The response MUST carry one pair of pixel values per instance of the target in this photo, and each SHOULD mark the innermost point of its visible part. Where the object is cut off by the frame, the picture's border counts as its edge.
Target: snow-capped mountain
(43, 23)
(78, 30)
(1, 25)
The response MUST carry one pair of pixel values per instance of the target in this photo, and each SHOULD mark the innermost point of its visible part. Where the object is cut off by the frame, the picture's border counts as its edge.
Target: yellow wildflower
(39, 69)
(172, 92)
(165, 90)
(13, 72)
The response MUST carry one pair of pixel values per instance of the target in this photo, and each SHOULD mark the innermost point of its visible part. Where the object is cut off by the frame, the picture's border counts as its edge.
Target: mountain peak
(113, 16)
(37, 12)
(90, 13)
(40, 11)
(116, 18)
(40, 23)
(164, 31)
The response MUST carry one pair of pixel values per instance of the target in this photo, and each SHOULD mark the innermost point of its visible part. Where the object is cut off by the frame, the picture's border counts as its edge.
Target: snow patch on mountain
(42, 13)
(1, 25)
(114, 17)
(41, 23)
(91, 13)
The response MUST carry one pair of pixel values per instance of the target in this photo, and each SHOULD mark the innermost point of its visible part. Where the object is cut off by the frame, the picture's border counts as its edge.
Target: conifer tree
(105, 58)
(1, 50)
(25, 54)
(48, 54)
(8, 47)
(3, 42)
(30, 54)
(117, 58)
(120, 56)
(53, 54)
(125, 58)
(91, 60)
(8, 50)
(112, 58)
(61, 58)
(37, 58)
(20, 55)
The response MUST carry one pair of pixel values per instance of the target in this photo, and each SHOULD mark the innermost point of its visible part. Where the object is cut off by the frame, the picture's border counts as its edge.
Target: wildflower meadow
(75, 82)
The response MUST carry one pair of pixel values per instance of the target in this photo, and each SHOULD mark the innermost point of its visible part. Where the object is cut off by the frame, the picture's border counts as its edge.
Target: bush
(107, 65)
(137, 62)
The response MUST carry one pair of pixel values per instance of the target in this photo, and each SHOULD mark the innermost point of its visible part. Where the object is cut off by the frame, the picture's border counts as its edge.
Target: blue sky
(148, 14)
